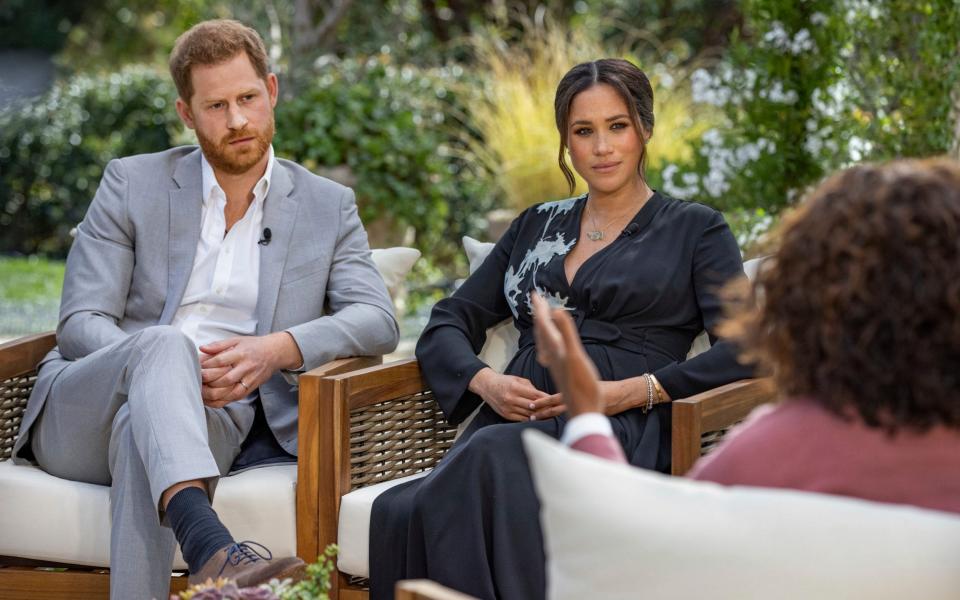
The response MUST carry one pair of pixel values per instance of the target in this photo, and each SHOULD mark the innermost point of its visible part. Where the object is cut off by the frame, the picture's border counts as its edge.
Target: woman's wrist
(626, 394)
(623, 395)
(478, 384)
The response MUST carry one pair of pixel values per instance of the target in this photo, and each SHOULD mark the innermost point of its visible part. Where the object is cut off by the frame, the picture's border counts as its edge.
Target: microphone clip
(267, 234)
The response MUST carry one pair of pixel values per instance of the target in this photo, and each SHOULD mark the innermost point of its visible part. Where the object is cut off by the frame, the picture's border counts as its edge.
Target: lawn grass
(30, 279)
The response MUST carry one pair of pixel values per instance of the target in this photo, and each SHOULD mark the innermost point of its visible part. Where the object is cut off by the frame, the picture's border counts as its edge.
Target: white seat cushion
(613, 531)
(48, 518)
(353, 530)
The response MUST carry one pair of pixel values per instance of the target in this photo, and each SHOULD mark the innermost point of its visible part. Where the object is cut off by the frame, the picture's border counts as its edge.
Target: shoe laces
(244, 553)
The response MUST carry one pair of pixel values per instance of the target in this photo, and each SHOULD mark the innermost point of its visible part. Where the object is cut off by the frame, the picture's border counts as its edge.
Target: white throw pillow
(613, 531)
(394, 264)
(503, 339)
(701, 343)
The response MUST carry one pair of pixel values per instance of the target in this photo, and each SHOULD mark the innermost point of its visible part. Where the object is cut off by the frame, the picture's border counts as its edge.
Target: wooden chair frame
(357, 458)
(23, 578)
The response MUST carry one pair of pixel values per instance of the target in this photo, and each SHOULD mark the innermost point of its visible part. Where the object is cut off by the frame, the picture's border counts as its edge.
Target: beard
(237, 161)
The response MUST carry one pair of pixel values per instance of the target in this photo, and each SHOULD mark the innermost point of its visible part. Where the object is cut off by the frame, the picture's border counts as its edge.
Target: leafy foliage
(397, 130)
(814, 86)
(38, 24)
(53, 151)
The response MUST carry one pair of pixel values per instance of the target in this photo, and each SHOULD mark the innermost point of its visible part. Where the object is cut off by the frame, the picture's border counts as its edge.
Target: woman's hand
(614, 396)
(559, 349)
(513, 398)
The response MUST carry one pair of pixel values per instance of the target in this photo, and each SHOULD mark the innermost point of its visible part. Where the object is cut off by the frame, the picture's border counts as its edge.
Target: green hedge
(53, 151)
(398, 132)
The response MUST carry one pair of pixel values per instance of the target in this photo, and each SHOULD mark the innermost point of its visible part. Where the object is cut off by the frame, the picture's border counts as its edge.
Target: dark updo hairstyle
(859, 307)
(628, 81)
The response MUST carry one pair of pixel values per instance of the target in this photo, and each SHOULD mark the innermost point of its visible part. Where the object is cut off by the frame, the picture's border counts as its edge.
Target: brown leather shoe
(242, 563)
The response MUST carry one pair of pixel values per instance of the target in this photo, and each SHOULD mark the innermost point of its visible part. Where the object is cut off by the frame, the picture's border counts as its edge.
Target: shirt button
(220, 291)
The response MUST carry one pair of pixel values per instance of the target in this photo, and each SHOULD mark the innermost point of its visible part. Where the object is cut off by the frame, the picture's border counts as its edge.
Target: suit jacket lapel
(279, 214)
(186, 204)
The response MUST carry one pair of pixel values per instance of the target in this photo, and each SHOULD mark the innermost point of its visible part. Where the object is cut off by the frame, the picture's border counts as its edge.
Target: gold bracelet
(658, 388)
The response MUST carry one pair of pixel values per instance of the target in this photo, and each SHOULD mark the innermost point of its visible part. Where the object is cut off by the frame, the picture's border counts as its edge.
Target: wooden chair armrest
(424, 589)
(20, 356)
(713, 410)
(343, 365)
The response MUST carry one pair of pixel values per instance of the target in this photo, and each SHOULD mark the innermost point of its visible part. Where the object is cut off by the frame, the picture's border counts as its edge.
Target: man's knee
(166, 339)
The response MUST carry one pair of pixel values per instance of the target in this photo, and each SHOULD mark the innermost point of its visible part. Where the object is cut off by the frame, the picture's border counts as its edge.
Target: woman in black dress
(638, 271)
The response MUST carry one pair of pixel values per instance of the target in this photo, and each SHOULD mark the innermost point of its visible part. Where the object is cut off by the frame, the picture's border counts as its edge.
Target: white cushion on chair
(393, 264)
(613, 531)
(503, 339)
(47, 518)
(353, 530)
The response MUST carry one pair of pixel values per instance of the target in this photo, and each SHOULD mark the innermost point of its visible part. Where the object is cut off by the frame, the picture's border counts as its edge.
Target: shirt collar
(210, 185)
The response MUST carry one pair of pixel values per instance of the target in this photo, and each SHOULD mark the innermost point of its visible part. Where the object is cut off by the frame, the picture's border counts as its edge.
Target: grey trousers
(130, 416)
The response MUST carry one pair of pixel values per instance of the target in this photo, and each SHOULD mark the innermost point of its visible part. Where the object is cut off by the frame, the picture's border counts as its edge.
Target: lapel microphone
(267, 234)
(630, 229)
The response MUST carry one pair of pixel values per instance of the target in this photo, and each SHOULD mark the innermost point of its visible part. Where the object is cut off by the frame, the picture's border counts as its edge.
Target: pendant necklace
(596, 234)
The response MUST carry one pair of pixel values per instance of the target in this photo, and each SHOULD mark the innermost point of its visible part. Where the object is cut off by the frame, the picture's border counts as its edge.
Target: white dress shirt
(220, 300)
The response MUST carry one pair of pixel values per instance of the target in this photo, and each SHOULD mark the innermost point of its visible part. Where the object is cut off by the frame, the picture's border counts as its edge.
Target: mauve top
(800, 445)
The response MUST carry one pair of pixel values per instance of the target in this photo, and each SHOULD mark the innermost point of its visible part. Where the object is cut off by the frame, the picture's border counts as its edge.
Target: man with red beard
(199, 280)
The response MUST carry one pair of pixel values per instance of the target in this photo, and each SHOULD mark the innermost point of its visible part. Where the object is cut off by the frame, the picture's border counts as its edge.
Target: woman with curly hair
(857, 315)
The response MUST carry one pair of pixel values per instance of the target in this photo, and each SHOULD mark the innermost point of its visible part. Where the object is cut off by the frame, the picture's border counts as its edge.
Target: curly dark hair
(859, 307)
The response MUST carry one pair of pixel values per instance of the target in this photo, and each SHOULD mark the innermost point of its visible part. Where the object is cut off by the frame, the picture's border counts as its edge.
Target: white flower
(776, 37)
(668, 172)
(818, 18)
(778, 95)
(859, 148)
(802, 42)
(705, 89)
(813, 144)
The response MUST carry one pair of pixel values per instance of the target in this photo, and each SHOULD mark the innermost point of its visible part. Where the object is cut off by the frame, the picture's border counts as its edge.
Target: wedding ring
(244, 385)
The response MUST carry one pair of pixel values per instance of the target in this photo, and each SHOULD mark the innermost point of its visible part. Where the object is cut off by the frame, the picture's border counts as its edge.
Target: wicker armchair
(381, 423)
(24, 578)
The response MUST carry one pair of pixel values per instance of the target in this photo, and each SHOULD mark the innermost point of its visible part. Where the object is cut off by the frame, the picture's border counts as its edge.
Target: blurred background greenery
(440, 112)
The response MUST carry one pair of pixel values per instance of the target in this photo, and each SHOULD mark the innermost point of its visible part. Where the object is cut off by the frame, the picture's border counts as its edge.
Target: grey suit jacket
(129, 265)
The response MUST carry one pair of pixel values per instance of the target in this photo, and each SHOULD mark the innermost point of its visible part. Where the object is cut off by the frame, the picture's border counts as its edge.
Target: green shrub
(815, 86)
(53, 151)
(399, 131)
